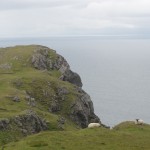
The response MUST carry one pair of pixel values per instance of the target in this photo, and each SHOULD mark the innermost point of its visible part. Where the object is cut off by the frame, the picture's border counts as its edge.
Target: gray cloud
(24, 4)
(68, 17)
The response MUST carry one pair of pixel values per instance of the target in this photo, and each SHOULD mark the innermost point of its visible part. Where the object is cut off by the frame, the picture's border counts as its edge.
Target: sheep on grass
(94, 125)
(139, 121)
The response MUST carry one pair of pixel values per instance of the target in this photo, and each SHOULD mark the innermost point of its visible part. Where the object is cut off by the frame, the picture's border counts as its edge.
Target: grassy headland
(52, 101)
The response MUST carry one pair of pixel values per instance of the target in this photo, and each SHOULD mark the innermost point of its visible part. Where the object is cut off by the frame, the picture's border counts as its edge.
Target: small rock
(27, 97)
(16, 99)
(61, 120)
(62, 91)
(55, 107)
(4, 124)
(24, 131)
(6, 66)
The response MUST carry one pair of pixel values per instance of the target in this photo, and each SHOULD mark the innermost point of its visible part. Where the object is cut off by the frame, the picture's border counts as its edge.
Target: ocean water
(115, 72)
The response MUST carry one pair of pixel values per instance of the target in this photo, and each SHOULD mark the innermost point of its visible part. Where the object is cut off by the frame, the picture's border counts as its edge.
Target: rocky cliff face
(42, 61)
(37, 78)
(82, 111)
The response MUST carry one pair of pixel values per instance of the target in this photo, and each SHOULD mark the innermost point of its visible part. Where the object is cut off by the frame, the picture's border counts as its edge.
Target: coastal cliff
(43, 106)
(40, 92)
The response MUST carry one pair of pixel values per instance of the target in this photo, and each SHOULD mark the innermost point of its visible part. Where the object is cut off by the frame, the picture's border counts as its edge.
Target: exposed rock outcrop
(42, 60)
(6, 66)
(4, 123)
(45, 92)
(28, 123)
(72, 77)
(61, 122)
(16, 99)
(82, 111)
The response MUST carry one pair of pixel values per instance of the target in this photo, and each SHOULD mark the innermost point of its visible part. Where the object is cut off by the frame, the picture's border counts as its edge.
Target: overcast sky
(36, 18)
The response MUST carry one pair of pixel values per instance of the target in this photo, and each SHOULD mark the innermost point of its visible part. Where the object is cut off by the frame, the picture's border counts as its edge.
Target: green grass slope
(17, 76)
(126, 136)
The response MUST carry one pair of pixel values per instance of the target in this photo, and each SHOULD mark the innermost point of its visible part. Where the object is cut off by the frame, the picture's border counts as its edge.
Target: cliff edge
(40, 92)
(82, 111)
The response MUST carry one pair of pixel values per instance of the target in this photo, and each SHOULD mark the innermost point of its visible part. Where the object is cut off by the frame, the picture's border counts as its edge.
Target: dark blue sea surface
(114, 71)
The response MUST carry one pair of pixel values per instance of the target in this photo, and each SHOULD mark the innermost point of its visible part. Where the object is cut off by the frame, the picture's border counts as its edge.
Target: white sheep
(94, 125)
(139, 121)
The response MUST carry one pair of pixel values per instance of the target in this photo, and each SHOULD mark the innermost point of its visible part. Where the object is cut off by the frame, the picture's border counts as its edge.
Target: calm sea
(114, 71)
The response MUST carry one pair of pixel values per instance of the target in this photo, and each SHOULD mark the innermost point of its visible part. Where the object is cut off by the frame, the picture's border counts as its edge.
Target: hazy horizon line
(100, 35)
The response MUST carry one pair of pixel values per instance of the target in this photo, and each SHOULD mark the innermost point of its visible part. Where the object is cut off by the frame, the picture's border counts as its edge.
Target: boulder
(16, 99)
